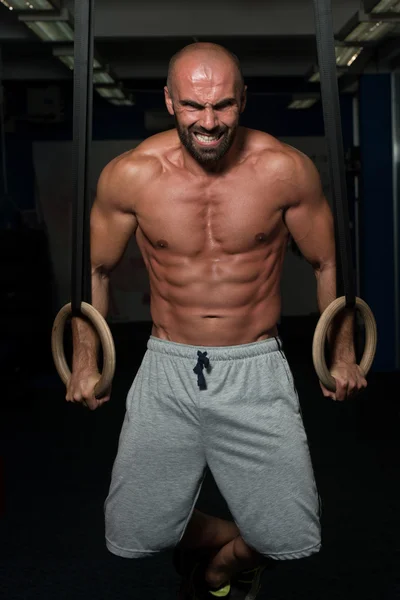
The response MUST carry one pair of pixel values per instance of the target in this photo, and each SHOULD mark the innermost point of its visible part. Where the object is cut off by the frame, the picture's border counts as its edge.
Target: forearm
(85, 339)
(341, 333)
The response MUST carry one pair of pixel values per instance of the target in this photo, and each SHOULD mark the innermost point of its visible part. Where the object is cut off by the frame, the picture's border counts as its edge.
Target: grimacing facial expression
(206, 101)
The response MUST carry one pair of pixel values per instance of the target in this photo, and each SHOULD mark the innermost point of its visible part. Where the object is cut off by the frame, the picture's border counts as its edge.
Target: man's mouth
(205, 139)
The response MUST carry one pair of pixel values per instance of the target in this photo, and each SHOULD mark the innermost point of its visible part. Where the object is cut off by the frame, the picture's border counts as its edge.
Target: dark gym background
(55, 459)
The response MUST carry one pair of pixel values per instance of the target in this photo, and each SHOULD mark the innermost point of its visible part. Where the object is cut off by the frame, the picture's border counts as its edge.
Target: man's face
(206, 102)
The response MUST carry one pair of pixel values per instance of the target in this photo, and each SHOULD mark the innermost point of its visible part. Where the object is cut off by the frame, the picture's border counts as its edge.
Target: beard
(202, 154)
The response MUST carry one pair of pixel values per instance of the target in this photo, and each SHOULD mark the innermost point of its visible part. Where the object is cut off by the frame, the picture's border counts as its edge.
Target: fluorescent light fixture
(315, 77)
(102, 77)
(370, 31)
(301, 104)
(51, 31)
(110, 92)
(122, 102)
(387, 6)
(28, 4)
(66, 55)
(345, 56)
(68, 61)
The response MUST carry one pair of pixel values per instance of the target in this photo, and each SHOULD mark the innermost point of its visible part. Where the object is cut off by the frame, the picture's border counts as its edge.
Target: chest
(229, 215)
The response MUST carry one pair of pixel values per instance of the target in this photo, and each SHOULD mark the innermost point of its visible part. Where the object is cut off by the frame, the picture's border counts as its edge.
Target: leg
(159, 466)
(256, 448)
(210, 533)
(222, 544)
(234, 557)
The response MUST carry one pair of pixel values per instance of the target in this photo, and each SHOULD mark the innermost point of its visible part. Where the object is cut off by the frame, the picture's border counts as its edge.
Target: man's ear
(168, 101)
(244, 99)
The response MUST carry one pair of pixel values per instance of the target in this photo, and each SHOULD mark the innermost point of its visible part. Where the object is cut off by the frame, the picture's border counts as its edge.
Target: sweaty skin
(212, 205)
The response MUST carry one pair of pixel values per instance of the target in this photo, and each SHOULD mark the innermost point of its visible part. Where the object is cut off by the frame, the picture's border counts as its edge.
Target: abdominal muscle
(226, 302)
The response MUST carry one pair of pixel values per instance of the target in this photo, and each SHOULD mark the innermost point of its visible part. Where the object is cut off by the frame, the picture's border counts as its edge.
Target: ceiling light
(345, 56)
(387, 6)
(102, 77)
(122, 102)
(69, 62)
(316, 77)
(110, 92)
(51, 31)
(66, 55)
(301, 104)
(28, 4)
(370, 31)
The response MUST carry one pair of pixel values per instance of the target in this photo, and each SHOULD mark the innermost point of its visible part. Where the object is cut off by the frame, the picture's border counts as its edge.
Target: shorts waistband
(215, 352)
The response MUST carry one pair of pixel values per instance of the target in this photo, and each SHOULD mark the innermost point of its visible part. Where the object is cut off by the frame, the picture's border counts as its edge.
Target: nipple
(261, 237)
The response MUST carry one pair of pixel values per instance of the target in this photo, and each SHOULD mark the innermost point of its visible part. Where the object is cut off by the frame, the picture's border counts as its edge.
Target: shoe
(247, 584)
(190, 565)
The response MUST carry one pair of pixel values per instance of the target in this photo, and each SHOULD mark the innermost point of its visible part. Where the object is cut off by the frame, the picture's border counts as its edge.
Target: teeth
(206, 138)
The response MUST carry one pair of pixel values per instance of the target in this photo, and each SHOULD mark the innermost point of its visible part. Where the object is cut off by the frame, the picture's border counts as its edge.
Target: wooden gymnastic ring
(106, 339)
(318, 348)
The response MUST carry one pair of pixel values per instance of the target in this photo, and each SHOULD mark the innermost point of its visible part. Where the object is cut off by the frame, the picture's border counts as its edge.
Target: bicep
(310, 221)
(110, 231)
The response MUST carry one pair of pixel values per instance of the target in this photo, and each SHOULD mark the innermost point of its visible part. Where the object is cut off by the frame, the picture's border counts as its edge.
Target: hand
(80, 389)
(350, 380)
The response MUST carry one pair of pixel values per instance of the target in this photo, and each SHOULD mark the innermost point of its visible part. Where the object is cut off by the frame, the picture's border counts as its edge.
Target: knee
(243, 552)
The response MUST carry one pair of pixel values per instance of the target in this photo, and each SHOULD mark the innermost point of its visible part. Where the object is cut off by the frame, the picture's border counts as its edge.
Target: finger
(352, 387)
(327, 393)
(356, 385)
(104, 400)
(341, 390)
(91, 403)
(361, 385)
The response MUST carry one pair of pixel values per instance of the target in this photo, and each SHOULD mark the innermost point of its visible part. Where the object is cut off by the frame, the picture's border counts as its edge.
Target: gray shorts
(234, 409)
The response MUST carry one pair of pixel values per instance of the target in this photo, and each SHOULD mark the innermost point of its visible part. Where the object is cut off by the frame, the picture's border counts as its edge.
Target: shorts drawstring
(202, 361)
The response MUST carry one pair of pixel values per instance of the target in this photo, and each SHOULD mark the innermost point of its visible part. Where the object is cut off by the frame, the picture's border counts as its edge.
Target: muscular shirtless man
(212, 205)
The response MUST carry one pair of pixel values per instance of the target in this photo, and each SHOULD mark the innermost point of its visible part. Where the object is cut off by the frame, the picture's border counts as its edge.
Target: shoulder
(273, 157)
(270, 151)
(131, 172)
(137, 164)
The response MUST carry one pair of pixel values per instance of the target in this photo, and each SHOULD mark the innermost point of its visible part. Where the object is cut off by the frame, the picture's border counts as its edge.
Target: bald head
(206, 95)
(208, 55)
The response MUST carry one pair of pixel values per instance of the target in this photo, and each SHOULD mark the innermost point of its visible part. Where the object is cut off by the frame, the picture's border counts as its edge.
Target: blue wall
(377, 244)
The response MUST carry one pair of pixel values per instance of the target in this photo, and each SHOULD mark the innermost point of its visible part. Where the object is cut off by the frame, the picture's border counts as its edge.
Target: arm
(112, 224)
(310, 222)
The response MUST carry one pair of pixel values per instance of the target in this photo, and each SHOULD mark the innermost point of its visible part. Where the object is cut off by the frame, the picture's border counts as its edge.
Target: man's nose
(209, 118)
